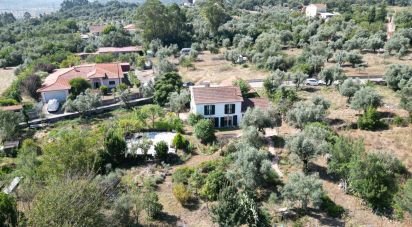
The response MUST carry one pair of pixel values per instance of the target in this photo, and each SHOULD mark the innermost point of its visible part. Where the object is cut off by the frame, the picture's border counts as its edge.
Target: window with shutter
(213, 110)
(233, 108)
(227, 109)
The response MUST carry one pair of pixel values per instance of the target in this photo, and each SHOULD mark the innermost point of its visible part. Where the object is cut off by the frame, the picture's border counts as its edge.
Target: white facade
(110, 83)
(222, 114)
(60, 95)
(313, 10)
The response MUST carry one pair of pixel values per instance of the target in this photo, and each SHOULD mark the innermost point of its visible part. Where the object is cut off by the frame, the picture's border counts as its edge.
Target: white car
(311, 82)
(321, 82)
(53, 105)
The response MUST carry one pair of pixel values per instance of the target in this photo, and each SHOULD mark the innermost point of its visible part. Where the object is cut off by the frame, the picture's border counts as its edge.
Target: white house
(223, 105)
(313, 10)
(57, 85)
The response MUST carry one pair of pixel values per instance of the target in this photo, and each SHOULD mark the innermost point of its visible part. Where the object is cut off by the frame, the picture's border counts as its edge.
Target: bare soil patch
(6, 78)
(215, 69)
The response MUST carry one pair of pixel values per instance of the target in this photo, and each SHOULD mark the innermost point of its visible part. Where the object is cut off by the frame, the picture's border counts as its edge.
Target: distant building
(390, 27)
(57, 86)
(131, 28)
(314, 10)
(96, 29)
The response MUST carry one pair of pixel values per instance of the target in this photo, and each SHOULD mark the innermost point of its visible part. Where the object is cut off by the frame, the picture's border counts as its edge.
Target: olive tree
(331, 74)
(261, 119)
(299, 78)
(178, 101)
(84, 102)
(303, 113)
(303, 189)
(364, 98)
(396, 76)
(406, 97)
(304, 148)
(354, 58)
(205, 131)
(243, 85)
(273, 81)
(349, 87)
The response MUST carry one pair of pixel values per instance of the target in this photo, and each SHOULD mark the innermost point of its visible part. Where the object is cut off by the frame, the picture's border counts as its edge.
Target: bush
(194, 118)
(104, 89)
(332, 209)
(182, 175)
(161, 149)
(7, 102)
(181, 193)
(400, 122)
(370, 120)
(205, 131)
(179, 141)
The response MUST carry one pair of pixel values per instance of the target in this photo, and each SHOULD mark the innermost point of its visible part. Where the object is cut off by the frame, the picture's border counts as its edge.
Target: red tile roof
(96, 28)
(320, 6)
(260, 103)
(60, 79)
(209, 95)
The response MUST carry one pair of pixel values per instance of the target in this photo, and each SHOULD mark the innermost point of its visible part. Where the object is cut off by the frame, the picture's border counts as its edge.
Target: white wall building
(223, 105)
(313, 10)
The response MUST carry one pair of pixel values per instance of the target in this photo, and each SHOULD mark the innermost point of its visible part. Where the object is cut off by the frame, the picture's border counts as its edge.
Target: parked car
(321, 82)
(53, 105)
(185, 51)
(311, 82)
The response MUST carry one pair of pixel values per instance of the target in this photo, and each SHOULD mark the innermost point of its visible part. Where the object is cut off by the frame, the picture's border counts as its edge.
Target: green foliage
(273, 82)
(8, 210)
(166, 23)
(150, 203)
(83, 102)
(370, 120)
(9, 122)
(178, 101)
(205, 131)
(261, 119)
(215, 14)
(364, 98)
(343, 152)
(182, 175)
(181, 193)
(115, 146)
(251, 168)
(331, 74)
(349, 87)
(299, 78)
(165, 85)
(151, 112)
(303, 189)
(70, 61)
(330, 207)
(403, 198)
(78, 86)
(162, 150)
(72, 151)
(303, 113)
(27, 164)
(68, 202)
(397, 76)
(192, 119)
(179, 141)
(104, 89)
(243, 85)
(7, 102)
(406, 97)
(236, 208)
(214, 183)
(374, 178)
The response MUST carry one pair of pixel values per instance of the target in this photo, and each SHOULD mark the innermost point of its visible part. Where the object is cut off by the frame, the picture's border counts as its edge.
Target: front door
(96, 85)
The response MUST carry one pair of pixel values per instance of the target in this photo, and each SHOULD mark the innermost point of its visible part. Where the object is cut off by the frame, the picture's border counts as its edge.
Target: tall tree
(215, 13)
(8, 210)
(165, 85)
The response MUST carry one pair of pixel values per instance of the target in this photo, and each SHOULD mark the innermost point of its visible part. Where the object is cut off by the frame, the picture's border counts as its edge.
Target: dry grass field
(6, 78)
(215, 69)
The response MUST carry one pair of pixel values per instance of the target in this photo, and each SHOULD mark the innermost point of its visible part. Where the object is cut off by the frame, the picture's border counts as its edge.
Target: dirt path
(176, 214)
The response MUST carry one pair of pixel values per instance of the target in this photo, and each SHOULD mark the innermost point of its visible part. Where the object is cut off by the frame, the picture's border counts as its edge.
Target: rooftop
(102, 50)
(260, 103)
(210, 95)
(59, 80)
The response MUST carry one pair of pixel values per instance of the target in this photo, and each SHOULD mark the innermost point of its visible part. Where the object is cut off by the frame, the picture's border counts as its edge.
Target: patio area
(155, 137)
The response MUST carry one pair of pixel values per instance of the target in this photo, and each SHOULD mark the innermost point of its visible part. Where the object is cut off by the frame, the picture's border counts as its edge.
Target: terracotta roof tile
(206, 95)
(60, 79)
(103, 50)
(255, 103)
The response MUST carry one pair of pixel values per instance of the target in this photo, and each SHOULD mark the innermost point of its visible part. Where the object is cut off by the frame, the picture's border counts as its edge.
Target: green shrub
(104, 89)
(370, 120)
(194, 118)
(332, 209)
(161, 149)
(400, 122)
(205, 131)
(179, 141)
(181, 193)
(7, 102)
(214, 183)
(182, 175)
